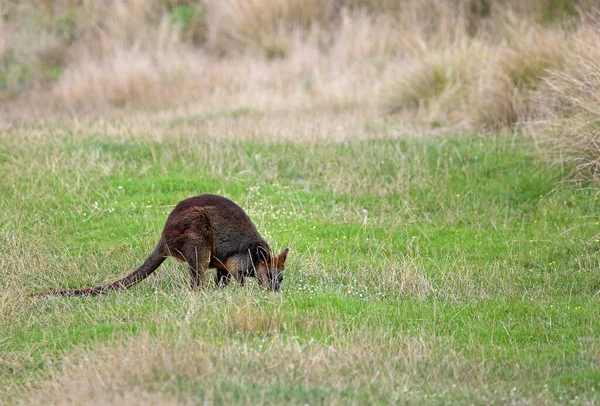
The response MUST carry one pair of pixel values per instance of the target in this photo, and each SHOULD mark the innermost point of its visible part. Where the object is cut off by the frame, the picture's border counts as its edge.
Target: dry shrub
(474, 12)
(438, 84)
(30, 52)
(478, 84)
(5, 38)
(131, 55)
(458, 64)
(127, 77)
(362, 36)
(517, 70)
(262, 25)
(570, 108)
(428, 22)
(46, 37)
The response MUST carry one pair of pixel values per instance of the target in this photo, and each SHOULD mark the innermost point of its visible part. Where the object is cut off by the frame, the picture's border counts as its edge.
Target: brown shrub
(569, 107)
(518, 69)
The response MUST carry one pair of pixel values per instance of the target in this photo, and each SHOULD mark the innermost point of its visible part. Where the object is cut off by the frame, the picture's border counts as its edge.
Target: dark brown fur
(206, 231)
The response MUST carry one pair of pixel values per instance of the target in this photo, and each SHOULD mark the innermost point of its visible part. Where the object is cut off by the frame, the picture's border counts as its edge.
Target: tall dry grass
(569, 108)
(518, 69)
(263, 26)
(465, 65)
(476, 83)
(439, 86)
(140, 53)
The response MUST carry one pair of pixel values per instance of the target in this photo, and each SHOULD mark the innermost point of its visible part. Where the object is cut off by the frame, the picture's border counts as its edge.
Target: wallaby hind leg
(197, 257)
(188, 235)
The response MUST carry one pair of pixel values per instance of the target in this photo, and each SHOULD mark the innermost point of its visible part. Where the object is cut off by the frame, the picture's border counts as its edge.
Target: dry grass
(407, 278)
(249, 318)
(4, 39)
(263, 26)
(518, 69)
(439, 85)
(96, 58)
(476, 84)
(569, 107)
(156, 371)
(138, 57)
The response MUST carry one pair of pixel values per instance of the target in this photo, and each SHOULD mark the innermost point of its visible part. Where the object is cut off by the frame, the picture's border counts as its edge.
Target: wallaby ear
(284, 255)
(262, 253)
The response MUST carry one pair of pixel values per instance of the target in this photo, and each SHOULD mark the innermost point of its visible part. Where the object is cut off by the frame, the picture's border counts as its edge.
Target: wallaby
(206, 231)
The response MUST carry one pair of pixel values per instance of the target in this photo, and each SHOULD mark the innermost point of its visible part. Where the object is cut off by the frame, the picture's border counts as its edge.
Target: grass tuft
(439, 84)
(519, 70)
(570, 110)
(262, 25)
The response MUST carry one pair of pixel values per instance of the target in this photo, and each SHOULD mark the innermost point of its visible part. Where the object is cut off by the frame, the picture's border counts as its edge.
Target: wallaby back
(232, 230)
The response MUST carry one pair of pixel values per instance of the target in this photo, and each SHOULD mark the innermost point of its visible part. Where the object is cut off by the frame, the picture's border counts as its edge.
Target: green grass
(445, 269)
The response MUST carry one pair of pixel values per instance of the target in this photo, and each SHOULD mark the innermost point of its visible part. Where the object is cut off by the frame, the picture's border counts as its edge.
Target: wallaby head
(269, 270)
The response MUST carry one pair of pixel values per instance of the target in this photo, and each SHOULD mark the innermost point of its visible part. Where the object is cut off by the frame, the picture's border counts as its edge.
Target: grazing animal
(205, 231)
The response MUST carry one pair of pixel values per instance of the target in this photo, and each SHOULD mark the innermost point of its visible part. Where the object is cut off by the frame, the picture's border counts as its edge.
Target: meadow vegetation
(433, 165)
(462, 65)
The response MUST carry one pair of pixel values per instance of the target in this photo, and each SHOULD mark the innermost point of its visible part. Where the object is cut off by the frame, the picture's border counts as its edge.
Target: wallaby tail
(150, 265)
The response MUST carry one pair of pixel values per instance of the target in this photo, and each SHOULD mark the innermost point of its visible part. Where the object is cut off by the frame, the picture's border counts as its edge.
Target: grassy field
(432, 164)
(423, 268)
